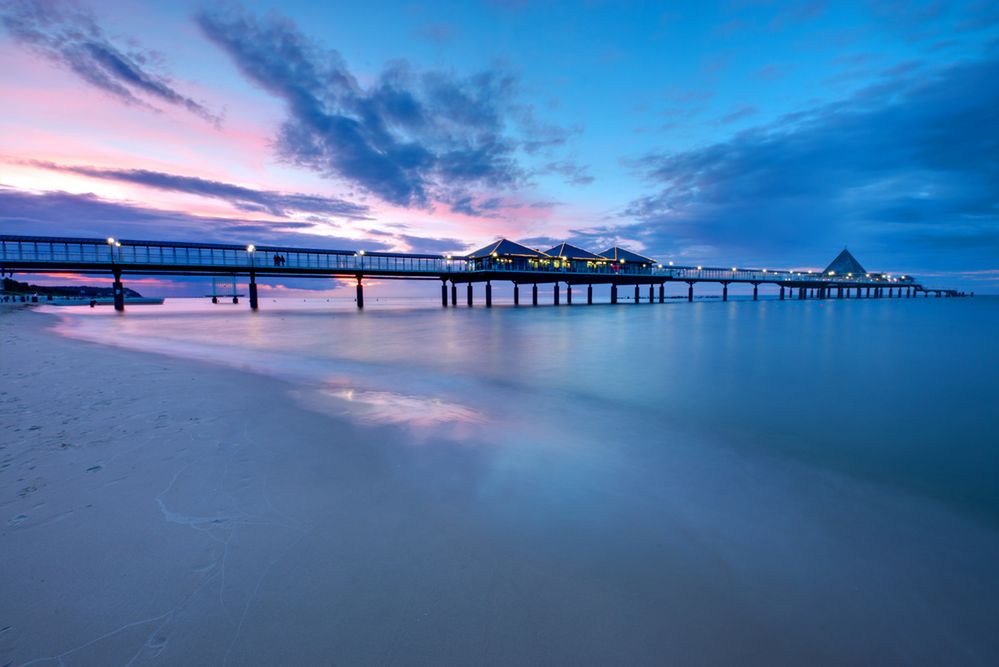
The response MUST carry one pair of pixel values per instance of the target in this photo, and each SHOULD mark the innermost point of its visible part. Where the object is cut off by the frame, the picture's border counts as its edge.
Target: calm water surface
(824, 467)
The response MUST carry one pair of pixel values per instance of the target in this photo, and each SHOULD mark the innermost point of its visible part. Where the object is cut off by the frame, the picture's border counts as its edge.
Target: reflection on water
(385, 407)
(899, 391)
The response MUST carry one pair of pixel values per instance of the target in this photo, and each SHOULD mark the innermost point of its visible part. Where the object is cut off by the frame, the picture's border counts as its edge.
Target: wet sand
(160, 511)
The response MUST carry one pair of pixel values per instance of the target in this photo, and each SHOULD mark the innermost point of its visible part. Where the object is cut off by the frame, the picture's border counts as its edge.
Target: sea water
(773, 480)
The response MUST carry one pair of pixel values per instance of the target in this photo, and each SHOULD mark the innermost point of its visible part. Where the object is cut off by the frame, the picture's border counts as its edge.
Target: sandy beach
(158, 510)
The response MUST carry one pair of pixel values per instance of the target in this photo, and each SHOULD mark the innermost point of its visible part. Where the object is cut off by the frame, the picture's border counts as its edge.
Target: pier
(575, 269)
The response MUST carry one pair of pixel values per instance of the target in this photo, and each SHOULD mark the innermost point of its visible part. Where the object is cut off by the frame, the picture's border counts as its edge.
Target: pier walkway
(501, 261)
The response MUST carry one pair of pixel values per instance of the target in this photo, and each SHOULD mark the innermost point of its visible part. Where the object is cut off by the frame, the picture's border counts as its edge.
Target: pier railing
(165, 256)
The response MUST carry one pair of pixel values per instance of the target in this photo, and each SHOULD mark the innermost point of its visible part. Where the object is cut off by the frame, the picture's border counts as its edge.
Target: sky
(748, 132)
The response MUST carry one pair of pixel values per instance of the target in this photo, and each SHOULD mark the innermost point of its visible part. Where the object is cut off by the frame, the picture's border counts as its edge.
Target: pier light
(251, 248)
(495, 254)
(868, 275)
(660, 266)
(699, 268)
(110, 240)
(360, 252)
(671, 263)
(832, 273)
(733, 269)
(117, 244)
(764, 270)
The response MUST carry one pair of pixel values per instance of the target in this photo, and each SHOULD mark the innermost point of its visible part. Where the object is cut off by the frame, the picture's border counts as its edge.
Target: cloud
(48, 214)
(69, 36)
(741, 112)
(907, 168)
(247, 199)
(439, 33)
(573, 173)
(411, 138)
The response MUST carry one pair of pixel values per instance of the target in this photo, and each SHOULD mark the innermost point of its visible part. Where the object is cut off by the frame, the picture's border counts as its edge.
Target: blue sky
(747, 132)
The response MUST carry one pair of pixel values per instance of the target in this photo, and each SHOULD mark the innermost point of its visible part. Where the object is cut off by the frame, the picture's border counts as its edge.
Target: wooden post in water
(534, 295)
(444, 292)
(489, 294)
(589, 295)
(781, 292)
(119, 292)
(516, 294)
(454, 294)
(652, 298)
(360, 293)
(555, 294)
(638, 296)
(662, 292)
(568, 294)
(756, 291)
(613, 292)
(468, 293)
(690, 292)
(724, 291)
(253, 291)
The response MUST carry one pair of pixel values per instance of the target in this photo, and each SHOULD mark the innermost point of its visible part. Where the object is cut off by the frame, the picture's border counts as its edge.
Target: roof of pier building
(506, 248)
(617, 254)
(567, 251)
(844, 264)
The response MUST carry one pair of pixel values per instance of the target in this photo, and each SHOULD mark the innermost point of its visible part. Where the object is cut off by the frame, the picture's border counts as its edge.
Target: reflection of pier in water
(501, 260)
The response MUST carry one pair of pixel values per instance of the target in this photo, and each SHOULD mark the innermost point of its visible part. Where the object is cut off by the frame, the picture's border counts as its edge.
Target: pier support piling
(555, 293)
(690, 292)
(724, 291)
(534, 295)
(662, 292)
(489, 294)
(444, 293)
(454, 294)
(119, 292)
(613, 293)
(468, 294)
(781, 292)
(516, 294)
(568, 294)
(589, 295)
(253, 291)
(360, 293)
(652, 297)
(756, 291)
(638, 294)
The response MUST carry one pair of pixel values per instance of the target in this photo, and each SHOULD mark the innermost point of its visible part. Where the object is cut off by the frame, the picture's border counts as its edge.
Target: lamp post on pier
(250, 249)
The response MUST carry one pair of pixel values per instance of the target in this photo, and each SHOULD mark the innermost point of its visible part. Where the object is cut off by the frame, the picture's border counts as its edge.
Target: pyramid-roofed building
(567, 251)
(506, 248)
(844, 264)
(617, 254)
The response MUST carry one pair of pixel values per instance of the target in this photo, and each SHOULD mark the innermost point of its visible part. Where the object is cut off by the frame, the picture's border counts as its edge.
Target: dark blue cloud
(47, 214)
(411, 138)
(248, 199)
(69, 35)
(907, 169)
